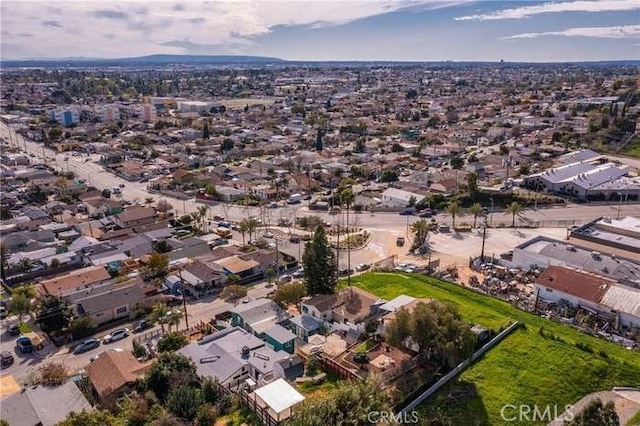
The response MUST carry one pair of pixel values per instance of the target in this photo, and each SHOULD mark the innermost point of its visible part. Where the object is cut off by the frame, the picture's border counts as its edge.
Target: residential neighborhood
(223, 243)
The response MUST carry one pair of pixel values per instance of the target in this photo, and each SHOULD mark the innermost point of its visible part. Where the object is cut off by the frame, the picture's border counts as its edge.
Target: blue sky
(416, 30)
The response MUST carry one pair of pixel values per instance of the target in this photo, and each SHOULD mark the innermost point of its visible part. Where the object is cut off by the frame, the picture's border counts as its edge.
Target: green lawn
(365, 346)
(525, 368)
(308, 388)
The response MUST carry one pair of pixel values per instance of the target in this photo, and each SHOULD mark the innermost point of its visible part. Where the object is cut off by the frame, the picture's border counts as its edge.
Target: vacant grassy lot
(525, 368)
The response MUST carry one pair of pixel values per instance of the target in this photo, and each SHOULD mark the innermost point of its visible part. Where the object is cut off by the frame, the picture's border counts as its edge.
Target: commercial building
(582, 180)
(65, 117)
(595, 293)
(620, 237)
(541, 252)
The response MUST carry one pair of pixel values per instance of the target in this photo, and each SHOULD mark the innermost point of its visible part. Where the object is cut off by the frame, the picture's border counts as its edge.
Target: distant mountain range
(150, 60)
(220, 60)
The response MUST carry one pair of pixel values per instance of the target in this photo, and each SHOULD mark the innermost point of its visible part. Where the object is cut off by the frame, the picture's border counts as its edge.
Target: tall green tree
(164, 375)
(319, 144)
(53, 313)
(319, 263)
(472, 183)
(20, 305)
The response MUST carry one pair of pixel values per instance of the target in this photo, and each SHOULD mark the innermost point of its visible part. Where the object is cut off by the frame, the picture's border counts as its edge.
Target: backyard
(545, 363)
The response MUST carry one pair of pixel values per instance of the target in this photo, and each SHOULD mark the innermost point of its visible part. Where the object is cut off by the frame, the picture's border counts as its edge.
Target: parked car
(286, 278)
(267, 235)
(141, 326)
(400, 241)
(363, 267)
(116, 335)
(24, 344)
(86, 346)
(14, 330)
(6, 358)
(294, 239)
(299, 273)
(3, 312)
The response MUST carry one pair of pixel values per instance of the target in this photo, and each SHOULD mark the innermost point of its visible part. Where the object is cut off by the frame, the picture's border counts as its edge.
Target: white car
(116, 335)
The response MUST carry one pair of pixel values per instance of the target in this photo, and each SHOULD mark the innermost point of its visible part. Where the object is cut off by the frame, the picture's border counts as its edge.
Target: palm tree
(244, 228)
(453, 210)
(250, 225)
(476, 210)
(148, 201)
(159, 314)
(202, 212)
(173, 319)
(420, 230)
(514, 209)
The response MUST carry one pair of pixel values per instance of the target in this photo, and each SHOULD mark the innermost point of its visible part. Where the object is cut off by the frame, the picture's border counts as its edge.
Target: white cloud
(140, 27)
(556, 7)
(626, 31)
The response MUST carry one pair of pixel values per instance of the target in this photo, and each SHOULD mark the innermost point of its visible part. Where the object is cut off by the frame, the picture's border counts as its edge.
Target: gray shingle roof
(43, 405)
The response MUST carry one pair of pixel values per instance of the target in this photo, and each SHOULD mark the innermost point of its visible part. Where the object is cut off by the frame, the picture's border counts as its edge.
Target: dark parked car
(24, 344)
(86, 346)
(14, 330)
(141, 325)
(7, 358)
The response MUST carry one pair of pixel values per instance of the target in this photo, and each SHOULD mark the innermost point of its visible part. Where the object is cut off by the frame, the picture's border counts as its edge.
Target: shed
(278, 398)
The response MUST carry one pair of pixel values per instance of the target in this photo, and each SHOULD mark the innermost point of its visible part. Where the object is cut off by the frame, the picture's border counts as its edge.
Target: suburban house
(43, 405)
(346, 310)
(280, 338)
(203, 276)
(108, 302)
(237, 265)
(135, 216)
(305, 326)
(234, 355)
(113, 374)
(80, 279)
(258, 316)
(394, 197)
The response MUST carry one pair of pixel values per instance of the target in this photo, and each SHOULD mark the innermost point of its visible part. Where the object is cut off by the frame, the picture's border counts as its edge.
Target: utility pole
(184, 299)
(349, 240)
(277, 261)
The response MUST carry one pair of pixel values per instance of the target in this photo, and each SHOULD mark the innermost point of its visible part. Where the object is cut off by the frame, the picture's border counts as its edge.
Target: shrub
(53, 374)
(171, 342)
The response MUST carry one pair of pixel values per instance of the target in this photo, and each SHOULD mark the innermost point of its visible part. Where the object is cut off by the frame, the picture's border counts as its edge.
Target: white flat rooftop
(279, 395)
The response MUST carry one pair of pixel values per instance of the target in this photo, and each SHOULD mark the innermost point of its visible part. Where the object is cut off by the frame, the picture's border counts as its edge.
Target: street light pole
(484, 237)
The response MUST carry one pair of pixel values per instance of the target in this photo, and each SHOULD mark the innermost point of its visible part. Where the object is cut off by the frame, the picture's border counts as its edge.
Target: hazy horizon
(382, 30)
